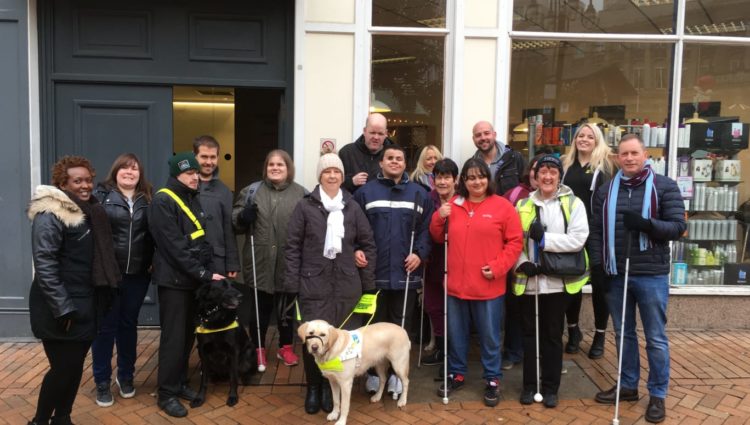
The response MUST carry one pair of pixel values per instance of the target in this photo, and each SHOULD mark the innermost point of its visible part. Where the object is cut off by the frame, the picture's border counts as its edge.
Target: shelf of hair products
(555, 135)
(709, 175)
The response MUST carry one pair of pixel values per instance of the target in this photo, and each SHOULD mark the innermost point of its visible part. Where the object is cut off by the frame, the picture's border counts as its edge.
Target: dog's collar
(208, 313)
(203, 330)
(352, 350)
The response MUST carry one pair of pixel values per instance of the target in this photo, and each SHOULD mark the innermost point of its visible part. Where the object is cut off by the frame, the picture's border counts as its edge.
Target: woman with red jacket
(484, 241)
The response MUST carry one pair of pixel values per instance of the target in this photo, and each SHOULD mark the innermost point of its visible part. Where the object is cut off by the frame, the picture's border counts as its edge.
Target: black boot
(437, 356)
(312, 399)
(36, 422)
(61, 420)
(574, 339)
(597, 346)
(326, 397)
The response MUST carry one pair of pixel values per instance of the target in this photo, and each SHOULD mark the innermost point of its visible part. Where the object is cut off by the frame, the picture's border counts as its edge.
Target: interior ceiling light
(706, 29)
(377, 105)
(433, 22)
(641, 3)
(394, 60)
(215, 92)
(534, 44)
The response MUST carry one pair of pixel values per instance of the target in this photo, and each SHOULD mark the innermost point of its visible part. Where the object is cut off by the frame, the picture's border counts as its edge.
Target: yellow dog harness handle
(198, 233)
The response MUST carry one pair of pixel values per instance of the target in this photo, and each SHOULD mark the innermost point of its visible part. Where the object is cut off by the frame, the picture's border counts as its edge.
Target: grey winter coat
(216, 200)
(275, 207)
(328, 289)
(62, 250)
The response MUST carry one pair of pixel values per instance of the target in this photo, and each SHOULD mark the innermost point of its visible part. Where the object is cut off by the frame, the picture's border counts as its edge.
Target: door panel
(102, 121)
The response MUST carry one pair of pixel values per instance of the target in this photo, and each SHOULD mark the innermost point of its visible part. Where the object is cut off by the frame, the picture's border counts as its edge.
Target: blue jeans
(487, 316)
(650, 293)
(119, 326)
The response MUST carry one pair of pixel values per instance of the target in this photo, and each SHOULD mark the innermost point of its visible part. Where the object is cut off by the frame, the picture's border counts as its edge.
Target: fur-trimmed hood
(49, 199)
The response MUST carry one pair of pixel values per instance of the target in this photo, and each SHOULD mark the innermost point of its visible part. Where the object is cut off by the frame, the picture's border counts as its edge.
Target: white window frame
(678, 39)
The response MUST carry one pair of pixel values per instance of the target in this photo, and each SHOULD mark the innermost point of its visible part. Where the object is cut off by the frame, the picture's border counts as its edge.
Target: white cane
(538, 396)
(421, 315)
(445, 315)
(411, 248)
(616, 419)
(260, 351)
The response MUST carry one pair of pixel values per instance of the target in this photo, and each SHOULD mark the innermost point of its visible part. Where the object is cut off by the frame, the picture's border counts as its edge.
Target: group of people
(368, 227)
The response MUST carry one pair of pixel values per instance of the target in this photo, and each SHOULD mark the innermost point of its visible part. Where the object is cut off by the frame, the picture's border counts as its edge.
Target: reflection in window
(594, 16)
(408, 13)
(579, 85)
(407, 87)
(717, 17)
(715, 90)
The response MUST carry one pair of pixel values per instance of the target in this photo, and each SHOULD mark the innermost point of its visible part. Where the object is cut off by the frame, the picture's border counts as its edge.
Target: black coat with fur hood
(63, 251)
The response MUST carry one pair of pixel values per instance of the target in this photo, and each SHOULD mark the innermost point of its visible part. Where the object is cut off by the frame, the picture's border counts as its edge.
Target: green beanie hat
(182, 162)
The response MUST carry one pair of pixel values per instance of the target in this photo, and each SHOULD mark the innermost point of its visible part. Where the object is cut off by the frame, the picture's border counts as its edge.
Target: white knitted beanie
(329, 160)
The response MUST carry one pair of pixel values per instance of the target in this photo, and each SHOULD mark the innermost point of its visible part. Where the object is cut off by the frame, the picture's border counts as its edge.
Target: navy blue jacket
(389, 207)
(669, 226)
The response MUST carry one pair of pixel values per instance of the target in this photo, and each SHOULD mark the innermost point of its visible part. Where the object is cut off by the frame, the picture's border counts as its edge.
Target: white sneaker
(394, 385)
(372, 384)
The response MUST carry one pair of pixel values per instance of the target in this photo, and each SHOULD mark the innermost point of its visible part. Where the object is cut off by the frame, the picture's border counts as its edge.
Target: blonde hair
(600, 156)
(419, 170)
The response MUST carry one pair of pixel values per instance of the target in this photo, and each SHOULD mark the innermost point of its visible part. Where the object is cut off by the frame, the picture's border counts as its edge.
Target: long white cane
(616, 419)
(445, 315)
(260, 351)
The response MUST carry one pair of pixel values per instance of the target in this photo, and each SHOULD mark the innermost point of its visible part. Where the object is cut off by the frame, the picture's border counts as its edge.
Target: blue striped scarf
(649, 209)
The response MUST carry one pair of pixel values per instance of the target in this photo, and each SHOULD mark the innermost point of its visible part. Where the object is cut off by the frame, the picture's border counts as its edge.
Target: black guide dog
(224, 346)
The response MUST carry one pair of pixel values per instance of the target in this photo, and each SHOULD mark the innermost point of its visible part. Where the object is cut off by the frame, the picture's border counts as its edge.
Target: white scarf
(335, 224)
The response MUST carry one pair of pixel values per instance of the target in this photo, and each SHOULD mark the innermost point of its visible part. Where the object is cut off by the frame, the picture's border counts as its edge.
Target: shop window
(717, 17)
(407, 87)
(594, 16)
(408, 13)
(613, 90)
(713, 163)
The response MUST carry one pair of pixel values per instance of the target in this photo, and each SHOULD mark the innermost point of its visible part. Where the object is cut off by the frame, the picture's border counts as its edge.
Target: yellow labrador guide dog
(341, 355)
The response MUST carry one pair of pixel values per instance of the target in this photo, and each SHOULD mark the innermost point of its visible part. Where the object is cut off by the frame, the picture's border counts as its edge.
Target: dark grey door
(102, 121)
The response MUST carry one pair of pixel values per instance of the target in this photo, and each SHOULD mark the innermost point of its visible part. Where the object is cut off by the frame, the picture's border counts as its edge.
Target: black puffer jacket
(134, 247)
(668, 227)
(328, 289)
(62, 250)
(179, 261)
(357, 158)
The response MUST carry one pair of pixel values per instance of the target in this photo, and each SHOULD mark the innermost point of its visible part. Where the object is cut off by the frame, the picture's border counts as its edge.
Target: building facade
(101, 78)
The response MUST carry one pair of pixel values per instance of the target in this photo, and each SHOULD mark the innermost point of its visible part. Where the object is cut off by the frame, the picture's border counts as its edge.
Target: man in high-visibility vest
(182, 262)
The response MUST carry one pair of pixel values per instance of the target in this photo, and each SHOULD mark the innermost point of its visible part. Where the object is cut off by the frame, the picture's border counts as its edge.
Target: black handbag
(561, 264)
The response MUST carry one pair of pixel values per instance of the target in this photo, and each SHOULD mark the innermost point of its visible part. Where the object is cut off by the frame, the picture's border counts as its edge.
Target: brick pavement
(710, 384)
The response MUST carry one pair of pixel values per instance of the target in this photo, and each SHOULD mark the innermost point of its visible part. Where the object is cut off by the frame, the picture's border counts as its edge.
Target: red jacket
(493, 236)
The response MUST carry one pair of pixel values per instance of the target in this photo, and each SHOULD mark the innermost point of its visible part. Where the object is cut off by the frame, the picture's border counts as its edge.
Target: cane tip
(538, 398)
(445, 400)
(261, 368)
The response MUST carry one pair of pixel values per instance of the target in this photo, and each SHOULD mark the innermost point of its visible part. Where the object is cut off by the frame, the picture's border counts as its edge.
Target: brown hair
(205, 140)
(482, 170)
(287, 160)
(61, 167)
(126, 160)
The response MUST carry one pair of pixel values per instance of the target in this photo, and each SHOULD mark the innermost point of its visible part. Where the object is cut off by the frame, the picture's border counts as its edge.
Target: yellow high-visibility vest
(199, 232)
(527, 212)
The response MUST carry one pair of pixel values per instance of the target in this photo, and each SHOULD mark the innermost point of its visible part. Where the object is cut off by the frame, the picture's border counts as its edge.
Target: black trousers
(60, 383)
(391, 307)
(598, 302)
(177, 318)
(266, 306)
(551, 324)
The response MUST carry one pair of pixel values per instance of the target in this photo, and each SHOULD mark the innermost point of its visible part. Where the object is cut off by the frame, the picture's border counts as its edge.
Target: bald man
(506, 165)
(362, 158)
